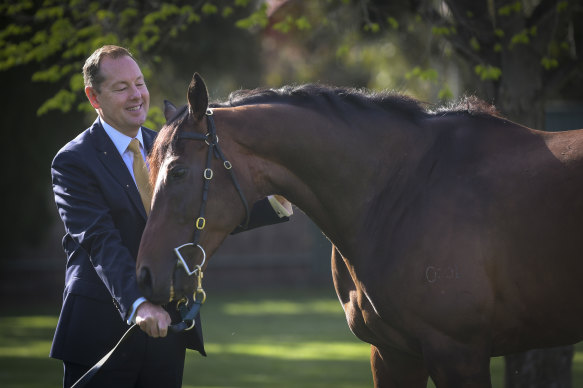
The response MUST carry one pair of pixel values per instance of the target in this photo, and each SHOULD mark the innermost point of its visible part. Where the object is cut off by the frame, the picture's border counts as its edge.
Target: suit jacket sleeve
(87, 216)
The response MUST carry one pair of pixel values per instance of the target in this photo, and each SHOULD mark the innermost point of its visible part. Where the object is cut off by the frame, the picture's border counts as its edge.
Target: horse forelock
(165, 143)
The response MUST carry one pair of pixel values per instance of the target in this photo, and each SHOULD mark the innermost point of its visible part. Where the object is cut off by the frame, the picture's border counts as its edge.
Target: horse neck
(329, 167)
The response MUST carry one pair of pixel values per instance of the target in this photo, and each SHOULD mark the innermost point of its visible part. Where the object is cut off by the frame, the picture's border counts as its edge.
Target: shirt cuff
(280, 210)
(137, 303)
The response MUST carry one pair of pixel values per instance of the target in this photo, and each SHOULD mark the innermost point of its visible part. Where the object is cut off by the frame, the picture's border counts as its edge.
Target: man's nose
(134, 92)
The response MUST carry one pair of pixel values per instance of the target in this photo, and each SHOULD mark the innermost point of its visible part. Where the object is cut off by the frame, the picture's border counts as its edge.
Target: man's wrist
(135, 305)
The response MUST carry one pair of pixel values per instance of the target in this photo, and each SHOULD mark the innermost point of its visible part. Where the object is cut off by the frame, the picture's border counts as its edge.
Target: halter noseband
(212, 141)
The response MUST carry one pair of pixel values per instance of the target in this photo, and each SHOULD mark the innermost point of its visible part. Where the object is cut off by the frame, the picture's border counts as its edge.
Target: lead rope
(187, 314)
(83, 380)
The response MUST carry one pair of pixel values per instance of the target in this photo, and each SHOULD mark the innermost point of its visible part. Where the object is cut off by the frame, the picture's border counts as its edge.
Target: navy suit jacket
(104, 218)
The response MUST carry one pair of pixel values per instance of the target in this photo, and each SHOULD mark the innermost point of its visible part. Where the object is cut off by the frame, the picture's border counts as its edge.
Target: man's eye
(120, 89)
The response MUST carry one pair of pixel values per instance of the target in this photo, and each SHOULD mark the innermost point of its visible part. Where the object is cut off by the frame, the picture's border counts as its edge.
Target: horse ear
(198, 98)
(169, 110)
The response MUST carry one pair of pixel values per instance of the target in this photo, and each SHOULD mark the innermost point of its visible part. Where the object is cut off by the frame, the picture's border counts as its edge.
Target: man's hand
(153, 319)
(282, 206)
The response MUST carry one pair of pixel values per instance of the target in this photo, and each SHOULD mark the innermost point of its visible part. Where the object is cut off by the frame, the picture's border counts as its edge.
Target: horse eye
(177, 172)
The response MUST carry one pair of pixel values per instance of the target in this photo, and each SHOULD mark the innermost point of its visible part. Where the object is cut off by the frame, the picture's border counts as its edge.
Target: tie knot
(135, 146)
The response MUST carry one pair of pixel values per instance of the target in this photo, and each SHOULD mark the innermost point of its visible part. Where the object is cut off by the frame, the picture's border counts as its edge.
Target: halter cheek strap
(212, 140)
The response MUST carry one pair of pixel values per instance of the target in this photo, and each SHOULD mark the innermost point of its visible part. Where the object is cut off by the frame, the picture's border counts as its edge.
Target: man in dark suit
(104, 216)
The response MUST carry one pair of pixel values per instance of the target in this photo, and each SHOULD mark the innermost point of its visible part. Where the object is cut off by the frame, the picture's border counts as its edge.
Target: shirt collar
(120, 140)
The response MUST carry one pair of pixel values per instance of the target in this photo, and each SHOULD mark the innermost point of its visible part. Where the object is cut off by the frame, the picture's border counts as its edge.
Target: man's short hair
(91, 70)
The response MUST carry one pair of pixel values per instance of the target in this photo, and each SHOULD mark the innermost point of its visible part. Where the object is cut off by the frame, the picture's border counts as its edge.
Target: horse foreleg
(393, 369)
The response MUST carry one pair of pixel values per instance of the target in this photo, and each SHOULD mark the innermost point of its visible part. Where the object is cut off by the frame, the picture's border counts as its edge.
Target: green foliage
(156, 118)
(424, 75)
(445, 94)
(285, 25)
(562, 5)
(227, 11)
(509, 9)
(372, 27)
(443, 30)
(488, 72)
(474, 44)
(520, 38)
(63, 101)
(394, 23)
(289, 23)
(256, 19)
(342, 50)
(523, 37)
(549, 63)
(209, 9)
(303, 24)
(11, 8)
(60, 34)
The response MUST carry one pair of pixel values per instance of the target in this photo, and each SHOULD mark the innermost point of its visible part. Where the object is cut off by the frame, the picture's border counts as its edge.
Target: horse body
(455, 236)
(481, 256)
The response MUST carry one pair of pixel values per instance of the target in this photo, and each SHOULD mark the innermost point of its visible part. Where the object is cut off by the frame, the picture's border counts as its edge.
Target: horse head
(191, 180)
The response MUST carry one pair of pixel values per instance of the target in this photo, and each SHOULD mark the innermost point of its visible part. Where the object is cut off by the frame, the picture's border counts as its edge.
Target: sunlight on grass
(256, 339)
(284, 307)
(36, 349)
(578, 366)
(19, 336)
(24, 347)
(297, 351)
(282, 339)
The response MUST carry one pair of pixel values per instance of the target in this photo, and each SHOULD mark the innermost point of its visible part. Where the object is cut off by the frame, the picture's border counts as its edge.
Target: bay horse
(455, 232)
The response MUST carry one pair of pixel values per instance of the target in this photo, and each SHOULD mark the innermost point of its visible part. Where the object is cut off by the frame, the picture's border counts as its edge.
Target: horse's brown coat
(456, 234)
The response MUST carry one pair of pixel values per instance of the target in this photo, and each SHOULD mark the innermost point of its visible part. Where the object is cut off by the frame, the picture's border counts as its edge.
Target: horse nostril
(145, 282)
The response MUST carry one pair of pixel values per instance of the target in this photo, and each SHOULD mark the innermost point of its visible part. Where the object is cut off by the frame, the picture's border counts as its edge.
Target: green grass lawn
(257, 339)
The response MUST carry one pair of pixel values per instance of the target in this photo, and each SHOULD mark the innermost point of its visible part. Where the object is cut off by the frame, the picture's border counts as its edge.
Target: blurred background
(524, 56)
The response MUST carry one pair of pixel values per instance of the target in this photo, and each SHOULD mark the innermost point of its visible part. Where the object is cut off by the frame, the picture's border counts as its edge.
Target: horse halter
(212, 141)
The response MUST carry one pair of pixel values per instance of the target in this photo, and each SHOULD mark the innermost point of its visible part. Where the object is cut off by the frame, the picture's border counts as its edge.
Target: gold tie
(141, 174)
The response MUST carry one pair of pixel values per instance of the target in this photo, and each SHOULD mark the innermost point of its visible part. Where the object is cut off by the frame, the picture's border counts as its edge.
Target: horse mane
(316, 96)
(391, 101)
(469, 104)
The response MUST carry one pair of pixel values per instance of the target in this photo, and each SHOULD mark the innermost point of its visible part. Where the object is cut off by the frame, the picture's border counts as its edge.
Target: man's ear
(91, 94)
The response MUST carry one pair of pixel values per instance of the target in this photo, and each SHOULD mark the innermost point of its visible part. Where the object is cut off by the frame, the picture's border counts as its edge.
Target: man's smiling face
(123, 99)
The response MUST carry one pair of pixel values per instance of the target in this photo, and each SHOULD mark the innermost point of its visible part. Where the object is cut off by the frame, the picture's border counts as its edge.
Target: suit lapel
(113, 162)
